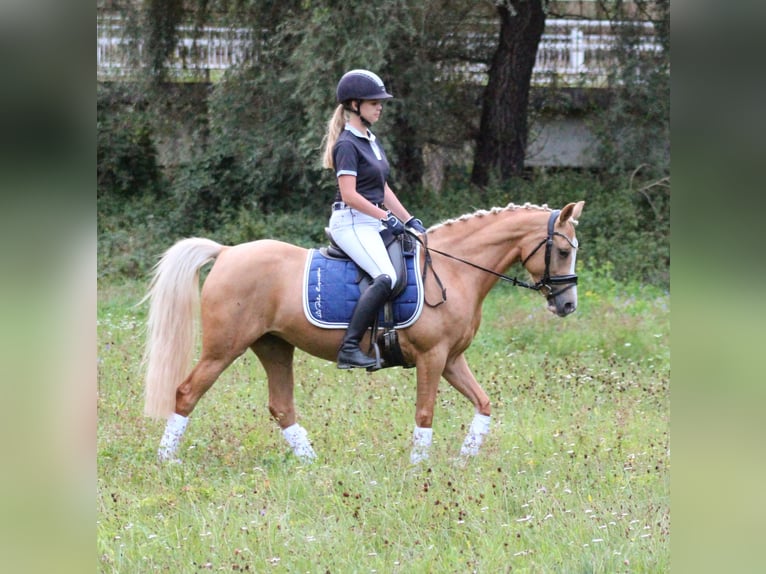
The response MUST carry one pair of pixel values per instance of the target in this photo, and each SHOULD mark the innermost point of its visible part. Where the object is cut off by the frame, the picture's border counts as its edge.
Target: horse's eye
(564, 253)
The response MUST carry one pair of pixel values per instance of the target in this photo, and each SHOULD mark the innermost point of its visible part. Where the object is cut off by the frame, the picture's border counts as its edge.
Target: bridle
(548, 281)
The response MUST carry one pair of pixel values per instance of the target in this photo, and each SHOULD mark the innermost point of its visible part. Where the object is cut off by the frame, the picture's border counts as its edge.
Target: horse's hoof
(418, 456)
(307, 459)
(169, 461)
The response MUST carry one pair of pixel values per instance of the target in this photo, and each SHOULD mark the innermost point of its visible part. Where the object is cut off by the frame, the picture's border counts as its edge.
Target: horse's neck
(490, 239)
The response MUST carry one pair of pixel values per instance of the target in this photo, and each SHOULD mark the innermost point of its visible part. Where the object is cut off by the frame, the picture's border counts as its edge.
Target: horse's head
(551, 261)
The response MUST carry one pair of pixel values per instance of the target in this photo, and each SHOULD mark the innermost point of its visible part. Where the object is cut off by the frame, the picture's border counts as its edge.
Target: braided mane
(483, 213)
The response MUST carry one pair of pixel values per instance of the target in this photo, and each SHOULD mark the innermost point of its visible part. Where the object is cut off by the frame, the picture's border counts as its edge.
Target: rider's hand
(416, 224)
(393, 223)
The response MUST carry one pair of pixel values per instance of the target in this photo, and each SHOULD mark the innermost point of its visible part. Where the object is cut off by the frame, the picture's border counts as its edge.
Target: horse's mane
(493, 211)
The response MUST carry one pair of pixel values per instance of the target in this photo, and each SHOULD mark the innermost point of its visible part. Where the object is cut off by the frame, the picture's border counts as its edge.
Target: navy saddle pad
(331, 290)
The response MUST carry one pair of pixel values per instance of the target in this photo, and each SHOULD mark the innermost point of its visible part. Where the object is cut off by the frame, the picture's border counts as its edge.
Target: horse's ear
(571, 211)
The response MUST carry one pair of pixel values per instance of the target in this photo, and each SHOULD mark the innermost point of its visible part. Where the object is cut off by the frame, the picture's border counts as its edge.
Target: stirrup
(378, 361)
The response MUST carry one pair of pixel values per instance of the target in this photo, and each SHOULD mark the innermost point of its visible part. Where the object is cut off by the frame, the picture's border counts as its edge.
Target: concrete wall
(562, 142)
(560, 133)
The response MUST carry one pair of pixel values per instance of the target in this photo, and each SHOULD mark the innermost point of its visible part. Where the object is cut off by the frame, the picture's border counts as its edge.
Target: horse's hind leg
(188, 394)
(276, 355)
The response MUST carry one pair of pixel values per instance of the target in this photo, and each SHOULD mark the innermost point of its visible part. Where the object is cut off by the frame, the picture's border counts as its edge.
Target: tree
(634, 129)
(502, 139)
(418, 47)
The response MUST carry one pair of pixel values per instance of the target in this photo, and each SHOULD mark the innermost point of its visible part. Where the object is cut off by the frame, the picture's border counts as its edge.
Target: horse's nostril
(569, 307)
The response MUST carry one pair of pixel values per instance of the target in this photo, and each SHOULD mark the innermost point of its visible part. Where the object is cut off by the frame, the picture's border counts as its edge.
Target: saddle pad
(330, 292)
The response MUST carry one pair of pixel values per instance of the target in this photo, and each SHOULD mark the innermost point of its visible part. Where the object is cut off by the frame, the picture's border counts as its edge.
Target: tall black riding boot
(370, 302)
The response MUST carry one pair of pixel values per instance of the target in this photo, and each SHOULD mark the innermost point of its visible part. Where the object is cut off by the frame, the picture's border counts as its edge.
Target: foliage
(303, 227)
(634, 130)
(131, 237)
(206, 192)
(252, 169)
(126, 153)
(270, 118)
(573, 477)
(619, 226)
(620, 230)
(162, 20)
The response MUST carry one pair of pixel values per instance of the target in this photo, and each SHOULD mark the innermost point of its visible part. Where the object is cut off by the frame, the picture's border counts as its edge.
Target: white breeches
(358, 235)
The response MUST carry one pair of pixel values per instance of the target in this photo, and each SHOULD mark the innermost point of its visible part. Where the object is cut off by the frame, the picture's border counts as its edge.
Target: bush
(624, 228)
(206, 193)
(304, 227)
(126, 156)
(131, 238)
(623, 225)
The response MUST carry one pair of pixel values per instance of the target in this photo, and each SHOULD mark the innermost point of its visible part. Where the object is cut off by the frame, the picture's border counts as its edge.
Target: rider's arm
(394, 205)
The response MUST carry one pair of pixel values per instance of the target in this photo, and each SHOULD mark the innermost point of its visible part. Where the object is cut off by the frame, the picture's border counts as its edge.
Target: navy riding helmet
(361, 85)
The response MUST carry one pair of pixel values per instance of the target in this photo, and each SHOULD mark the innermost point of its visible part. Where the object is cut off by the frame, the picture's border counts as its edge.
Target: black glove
(416, 224)
(391, 221)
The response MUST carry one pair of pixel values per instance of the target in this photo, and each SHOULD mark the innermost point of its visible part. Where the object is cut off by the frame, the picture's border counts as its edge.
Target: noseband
(547, 282)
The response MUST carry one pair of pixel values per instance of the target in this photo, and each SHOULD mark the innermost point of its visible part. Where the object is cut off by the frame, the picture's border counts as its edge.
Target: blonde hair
(334, 128)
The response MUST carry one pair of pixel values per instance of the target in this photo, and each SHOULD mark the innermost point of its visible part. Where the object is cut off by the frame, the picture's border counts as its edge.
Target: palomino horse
(251, 299)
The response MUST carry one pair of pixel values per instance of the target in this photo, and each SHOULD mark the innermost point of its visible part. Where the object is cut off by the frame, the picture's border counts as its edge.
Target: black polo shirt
(360, 155)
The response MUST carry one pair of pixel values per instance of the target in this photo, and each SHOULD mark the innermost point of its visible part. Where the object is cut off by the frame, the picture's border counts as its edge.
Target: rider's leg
(359, 236)
(350, 355)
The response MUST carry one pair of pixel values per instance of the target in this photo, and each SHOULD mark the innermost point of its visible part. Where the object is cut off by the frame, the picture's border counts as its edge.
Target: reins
(547, 281)
(429, 263)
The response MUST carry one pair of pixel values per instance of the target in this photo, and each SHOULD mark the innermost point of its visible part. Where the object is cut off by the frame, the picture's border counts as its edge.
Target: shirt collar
(368, 136)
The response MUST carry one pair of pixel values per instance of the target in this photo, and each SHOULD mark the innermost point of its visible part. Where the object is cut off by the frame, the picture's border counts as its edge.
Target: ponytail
(334, 128)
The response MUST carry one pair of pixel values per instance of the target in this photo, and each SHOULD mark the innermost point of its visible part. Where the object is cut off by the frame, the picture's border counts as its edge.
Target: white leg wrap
(475, 436)
(421, 444)
(174, 430)
(297, 437)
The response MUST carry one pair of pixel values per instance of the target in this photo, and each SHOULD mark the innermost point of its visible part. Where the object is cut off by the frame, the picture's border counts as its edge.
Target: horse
(251, 299)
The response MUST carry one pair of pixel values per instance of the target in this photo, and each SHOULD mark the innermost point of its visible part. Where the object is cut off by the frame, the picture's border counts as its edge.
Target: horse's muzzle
(563, 301)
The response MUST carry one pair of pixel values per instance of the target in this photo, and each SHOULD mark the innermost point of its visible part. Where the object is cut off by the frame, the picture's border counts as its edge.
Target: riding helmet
(361, 85)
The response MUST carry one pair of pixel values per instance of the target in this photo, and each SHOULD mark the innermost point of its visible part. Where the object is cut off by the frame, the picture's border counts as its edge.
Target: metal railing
(571, 52)
(583, 51)
(210, 49)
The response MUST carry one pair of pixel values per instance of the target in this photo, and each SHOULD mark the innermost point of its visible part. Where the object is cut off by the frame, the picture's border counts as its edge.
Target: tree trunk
(502, 139)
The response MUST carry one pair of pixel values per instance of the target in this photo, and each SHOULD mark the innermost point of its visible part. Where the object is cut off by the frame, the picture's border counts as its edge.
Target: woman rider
(364, 202)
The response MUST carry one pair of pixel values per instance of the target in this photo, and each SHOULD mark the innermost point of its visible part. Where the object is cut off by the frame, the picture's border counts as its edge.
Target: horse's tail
(171, 327)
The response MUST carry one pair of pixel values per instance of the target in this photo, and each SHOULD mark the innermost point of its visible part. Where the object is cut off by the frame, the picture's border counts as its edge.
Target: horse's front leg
(429, 370)
(276, 355)
(459, 375)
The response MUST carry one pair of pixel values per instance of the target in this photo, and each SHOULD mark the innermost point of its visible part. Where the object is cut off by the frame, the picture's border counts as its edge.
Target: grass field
(573, 477)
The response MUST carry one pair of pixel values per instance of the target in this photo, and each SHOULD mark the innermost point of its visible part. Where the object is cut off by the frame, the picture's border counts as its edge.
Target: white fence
(582, 51)
(571, 52)
(211, 49)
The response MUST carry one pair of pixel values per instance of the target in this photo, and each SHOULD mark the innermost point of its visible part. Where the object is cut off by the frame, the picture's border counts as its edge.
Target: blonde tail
(171, 327)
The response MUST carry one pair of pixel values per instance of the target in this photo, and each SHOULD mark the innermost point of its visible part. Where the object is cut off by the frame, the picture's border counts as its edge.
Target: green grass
(573, 477)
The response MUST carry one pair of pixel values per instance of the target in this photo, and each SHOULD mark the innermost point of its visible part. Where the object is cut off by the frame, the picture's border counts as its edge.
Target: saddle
(397, 247)
(333, 284)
